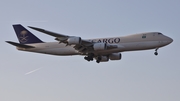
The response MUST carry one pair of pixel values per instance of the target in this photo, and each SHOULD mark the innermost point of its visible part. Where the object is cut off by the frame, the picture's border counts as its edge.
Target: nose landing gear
(156, 53)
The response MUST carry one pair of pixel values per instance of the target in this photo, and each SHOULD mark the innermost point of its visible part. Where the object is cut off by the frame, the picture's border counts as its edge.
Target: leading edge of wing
(48, 32)
(57, 35)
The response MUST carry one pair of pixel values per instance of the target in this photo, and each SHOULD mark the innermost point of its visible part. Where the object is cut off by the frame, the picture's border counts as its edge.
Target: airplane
(100, 49)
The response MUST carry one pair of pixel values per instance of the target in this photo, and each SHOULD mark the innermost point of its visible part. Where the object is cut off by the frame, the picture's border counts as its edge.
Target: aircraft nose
(170, 40)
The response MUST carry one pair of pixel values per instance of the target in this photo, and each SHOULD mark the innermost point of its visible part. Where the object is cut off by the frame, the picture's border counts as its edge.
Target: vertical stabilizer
(25, 36)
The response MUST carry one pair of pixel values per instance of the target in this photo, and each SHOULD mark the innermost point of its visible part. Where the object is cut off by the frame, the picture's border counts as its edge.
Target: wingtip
(35, 28)
(31, 27)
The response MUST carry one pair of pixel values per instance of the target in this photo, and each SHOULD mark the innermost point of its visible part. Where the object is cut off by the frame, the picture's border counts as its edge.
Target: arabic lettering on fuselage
(108, 40)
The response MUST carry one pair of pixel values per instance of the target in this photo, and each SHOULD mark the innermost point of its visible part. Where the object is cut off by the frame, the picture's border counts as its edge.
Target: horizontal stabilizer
(19, 45)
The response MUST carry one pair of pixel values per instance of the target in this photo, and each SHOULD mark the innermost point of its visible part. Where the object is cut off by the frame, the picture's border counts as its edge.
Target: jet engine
(115, 56)
(102, 59)
(100, 46)
(74, 40)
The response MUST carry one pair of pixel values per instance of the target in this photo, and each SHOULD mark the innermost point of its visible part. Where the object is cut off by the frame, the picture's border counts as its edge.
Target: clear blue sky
(139, 76)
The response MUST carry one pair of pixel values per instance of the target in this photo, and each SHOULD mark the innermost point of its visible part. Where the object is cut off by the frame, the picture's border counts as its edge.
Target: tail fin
(25, 36)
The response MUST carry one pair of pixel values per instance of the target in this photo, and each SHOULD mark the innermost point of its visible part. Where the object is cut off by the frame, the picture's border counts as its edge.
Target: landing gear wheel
(86, 58)
(97, 61)
(89, 57)
(156, 53)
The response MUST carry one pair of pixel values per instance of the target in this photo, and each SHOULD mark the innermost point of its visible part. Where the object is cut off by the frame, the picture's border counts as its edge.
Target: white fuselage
(142, 41)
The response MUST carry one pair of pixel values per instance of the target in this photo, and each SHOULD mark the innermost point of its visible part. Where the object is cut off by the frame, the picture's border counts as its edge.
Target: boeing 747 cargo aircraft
(100, 49)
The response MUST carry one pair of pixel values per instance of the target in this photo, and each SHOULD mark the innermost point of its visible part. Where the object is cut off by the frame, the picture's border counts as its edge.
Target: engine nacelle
(100, 46)
(74, 40)
(115, 56)
(102, 58)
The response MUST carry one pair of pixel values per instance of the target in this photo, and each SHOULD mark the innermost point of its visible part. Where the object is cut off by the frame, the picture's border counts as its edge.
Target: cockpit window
(159, 33)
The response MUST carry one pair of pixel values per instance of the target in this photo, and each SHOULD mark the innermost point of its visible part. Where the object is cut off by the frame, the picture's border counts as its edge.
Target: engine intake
(74, 40)
(102, 59)
(100, 46)
(115, 56)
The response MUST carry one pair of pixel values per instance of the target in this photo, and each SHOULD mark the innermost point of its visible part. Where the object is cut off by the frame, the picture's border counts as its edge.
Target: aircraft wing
(84, 46)
(59, 37)
(48, 32)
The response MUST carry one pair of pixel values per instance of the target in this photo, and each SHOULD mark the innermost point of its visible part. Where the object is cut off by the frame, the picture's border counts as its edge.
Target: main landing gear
(89, 57)
(98, 59)
(156, 53)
